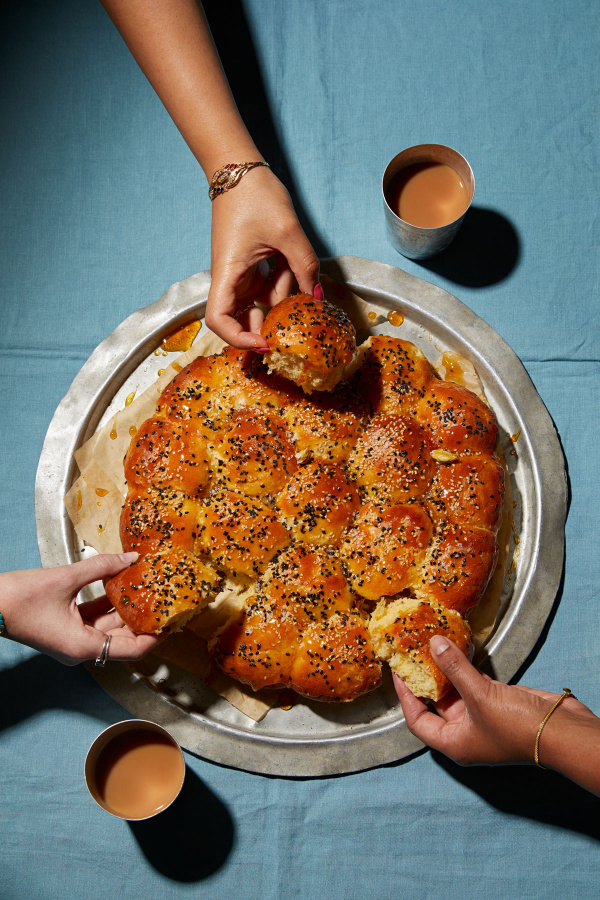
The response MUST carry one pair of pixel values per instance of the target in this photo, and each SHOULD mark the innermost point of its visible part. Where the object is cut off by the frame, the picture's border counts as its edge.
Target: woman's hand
(250, 223)
(483, 721)
(39, 609)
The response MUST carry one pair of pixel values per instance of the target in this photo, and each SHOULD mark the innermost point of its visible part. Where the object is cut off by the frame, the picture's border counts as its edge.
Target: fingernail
(318, 292)
(438, 644)
(471, 651)
(262, 349)
(129, 557)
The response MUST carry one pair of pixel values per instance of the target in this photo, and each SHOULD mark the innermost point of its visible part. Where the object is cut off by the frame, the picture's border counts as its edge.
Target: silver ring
(101, 660)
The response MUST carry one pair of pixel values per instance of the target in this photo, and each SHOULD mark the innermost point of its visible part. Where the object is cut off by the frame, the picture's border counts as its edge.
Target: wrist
(227, 154)
(570, 744)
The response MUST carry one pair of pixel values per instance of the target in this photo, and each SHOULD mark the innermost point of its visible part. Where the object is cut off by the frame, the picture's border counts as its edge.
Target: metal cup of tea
(134, 769)
(427, 189)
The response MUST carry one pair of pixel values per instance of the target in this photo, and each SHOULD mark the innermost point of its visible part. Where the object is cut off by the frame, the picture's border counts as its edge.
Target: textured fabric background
(103, 208)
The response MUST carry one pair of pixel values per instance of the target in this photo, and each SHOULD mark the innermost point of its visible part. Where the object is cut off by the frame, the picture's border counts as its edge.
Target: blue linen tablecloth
(103, 208)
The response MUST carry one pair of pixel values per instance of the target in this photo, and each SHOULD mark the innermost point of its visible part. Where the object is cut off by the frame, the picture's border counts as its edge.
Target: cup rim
(103, 740)
(426, 150)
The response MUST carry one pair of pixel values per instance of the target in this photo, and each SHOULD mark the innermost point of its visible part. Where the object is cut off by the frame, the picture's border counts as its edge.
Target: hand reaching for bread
(485, 722)
(39, 609)
(251, 224)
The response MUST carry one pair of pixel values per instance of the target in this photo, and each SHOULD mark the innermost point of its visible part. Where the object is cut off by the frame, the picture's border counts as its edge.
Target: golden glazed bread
(401, 631)
(311, 342)
(362, 517)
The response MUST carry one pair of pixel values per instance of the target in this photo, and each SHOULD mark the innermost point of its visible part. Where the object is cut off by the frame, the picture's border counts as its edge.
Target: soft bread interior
(296, 368)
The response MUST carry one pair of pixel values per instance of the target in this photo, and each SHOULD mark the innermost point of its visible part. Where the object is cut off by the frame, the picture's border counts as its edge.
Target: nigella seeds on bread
(311, 342)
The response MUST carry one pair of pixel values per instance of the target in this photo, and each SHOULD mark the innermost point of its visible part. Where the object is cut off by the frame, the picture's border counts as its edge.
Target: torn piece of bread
(401, 631)
(311, 342)
(163, 590)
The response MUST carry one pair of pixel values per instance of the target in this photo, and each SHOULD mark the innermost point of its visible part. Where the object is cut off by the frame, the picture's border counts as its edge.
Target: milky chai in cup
(427, 189)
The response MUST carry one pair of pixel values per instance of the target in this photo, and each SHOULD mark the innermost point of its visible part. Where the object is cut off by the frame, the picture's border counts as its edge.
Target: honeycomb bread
(360, 517)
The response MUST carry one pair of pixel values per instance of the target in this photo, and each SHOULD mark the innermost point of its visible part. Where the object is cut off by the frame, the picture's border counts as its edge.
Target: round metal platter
(315, 739)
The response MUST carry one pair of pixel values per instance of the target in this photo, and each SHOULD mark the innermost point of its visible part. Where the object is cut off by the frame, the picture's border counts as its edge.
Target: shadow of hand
(531, 793)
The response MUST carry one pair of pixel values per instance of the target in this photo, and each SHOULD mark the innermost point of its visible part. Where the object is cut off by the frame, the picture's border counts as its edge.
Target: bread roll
(401, 632)
(467, 490)
(156, 517)
(253, 453)
(310, 576)
(240, 534)
(457, 567)
(162, 590)
(168, 452)
(336, 660)
(382, 547)
(319, 502)
(311, 342)
(391, 460)
(326, 426)
(393, 375)
(457, 419)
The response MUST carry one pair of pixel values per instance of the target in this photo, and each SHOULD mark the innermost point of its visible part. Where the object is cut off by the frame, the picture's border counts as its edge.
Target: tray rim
(282, 756)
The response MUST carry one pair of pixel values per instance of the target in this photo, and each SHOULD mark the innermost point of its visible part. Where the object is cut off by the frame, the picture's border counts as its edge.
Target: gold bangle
(536, 752)
(228, 176)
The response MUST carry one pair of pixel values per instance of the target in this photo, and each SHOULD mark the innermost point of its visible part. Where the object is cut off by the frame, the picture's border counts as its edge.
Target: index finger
(220, 318)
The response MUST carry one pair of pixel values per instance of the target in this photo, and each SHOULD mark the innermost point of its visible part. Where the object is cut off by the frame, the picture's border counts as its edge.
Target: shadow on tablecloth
(242, 67)
(485, 251)
(199, 828)
(530, 793)
(192, 839)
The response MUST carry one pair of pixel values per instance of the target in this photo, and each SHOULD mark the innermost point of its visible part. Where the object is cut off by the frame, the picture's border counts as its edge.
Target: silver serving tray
(312, 738)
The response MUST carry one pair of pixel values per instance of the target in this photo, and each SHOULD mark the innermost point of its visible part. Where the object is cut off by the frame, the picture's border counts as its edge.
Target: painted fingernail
(261, 349)
(318, 292)
(438, 644)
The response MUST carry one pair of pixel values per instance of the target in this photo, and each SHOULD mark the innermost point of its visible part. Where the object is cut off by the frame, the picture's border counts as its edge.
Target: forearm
(172, 44)
(570, 744)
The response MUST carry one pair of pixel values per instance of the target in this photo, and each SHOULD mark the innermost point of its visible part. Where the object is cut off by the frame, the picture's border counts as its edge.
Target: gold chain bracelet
(536, 752)
(228, 176)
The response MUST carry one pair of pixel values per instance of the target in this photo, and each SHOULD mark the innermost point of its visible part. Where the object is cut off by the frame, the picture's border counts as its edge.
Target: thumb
(455, 666)
(98, 568)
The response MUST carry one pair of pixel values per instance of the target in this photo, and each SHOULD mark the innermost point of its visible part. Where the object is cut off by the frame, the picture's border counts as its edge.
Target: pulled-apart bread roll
(401, 631)
(162, 590)
(311, 342)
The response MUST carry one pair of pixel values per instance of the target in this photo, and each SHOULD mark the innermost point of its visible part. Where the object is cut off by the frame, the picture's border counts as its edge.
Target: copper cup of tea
(427, 189)
(134, 769)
